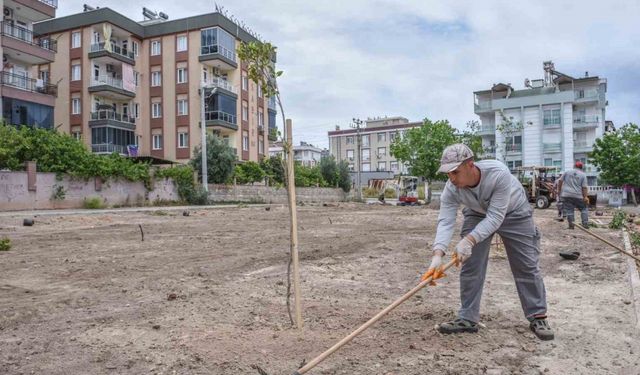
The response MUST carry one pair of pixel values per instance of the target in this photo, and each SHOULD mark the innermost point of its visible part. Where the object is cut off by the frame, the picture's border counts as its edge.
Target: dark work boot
(541, 328)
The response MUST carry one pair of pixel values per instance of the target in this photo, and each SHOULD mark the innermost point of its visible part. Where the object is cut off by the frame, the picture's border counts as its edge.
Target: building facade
(134, 87)
(304, 153)
(552, 122)
(27, 95)
(375, 155)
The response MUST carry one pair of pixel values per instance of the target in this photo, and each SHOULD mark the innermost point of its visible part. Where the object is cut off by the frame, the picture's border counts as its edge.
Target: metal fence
(28, 84)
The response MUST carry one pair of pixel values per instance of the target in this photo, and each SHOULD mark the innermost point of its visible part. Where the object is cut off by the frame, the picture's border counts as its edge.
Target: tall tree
(421, 148)
(220, 160)
(344, 177)
(329, 170)
(617, 155)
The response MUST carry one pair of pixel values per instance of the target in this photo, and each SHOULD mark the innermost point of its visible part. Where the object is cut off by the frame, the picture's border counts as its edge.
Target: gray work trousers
(522, 243)
(570, 204)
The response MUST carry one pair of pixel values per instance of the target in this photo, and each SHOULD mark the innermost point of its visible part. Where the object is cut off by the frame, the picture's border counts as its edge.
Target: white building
(556, 120)
(305, 153)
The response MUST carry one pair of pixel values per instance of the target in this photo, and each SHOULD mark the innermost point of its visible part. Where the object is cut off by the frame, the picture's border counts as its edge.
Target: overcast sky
(417, 59)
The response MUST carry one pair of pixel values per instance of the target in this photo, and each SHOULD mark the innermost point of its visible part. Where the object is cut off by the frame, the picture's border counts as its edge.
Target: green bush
(182, 177)
(619, 220)
(344, 178)
(93, 203)
(5, 244)
(248, 173)
(308, 176)
(390, 193)
(273, 168)
(220, 160)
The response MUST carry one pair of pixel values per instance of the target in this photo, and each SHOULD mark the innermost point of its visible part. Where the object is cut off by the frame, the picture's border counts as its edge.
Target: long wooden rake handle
(607, 242)
(366, 325)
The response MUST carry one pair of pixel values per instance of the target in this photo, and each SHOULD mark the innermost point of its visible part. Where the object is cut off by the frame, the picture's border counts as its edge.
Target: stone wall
(17, 193)
(267, 194)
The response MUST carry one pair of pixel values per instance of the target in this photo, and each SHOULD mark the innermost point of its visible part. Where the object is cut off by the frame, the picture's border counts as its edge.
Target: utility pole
(356, 124)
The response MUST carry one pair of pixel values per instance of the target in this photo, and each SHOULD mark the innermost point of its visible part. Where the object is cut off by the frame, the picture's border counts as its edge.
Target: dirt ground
(82, 294)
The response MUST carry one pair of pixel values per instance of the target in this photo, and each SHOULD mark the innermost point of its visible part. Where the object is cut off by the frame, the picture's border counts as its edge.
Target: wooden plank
(634, 279)
(294, 226)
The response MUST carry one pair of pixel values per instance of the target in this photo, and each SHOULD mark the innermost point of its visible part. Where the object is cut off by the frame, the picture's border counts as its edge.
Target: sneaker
(459, 325)
(541, 328)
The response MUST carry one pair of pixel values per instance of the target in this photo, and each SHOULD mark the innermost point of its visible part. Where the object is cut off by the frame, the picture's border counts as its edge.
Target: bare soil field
(205, 294)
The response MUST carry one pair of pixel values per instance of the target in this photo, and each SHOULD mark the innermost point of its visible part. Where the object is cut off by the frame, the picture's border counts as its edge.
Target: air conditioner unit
(8, 12)
(110, 68)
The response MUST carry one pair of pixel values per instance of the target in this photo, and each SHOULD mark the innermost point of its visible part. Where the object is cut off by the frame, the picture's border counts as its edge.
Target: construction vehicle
(408, 190)
(538, 184)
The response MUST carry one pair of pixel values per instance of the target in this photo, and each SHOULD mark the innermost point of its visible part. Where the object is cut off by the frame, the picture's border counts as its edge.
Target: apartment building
(555, 120)
(28, 97)
(375, 159)
(134, 87)
(304, 153)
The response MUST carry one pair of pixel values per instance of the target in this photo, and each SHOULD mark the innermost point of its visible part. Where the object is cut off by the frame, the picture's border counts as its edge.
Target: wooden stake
(294, 226)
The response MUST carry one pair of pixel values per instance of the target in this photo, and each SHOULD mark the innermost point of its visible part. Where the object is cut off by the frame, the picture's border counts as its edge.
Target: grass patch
(93, 203)
(5, 244)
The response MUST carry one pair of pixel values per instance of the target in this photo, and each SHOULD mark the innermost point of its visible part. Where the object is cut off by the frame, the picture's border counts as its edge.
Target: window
(551, 117)
(382, 137)
(182, 75)
(216, 40)
(156, 48)
(245, 140)
(366, 167)
(392, 136)
(157, 141)
(382, 166)
(350, 140)
(77, 135)
(350, 155)
(156, 110)
(382, 152)
(260, 118)
(181, 43)
(76, 73)
(76, 39)
(513, 164)
(156, 78)
(365, 140)
(393, 166)
(245, 81)
(136, 110)
(183, 140)
(182, 107)
(75, 106)
(134, 48)
(548, 162)
(366, 154)
(136, 78)
(514, 144)
(245, 111)
(259, 91)
(261, 144)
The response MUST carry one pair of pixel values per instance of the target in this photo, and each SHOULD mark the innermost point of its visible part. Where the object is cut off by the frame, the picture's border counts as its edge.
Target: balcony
(221, 84)
(114, 51)
(551, 148)
(586, 121)
(487, 130)
(111, 87)
(108, 148)
(28, 89)
(273, 133)
(582, 146)
(220, 119)
(513, 148)
(51, 3)
(482, 107)
(24, 45)
(110, 117)
(584, 96)
(36, 10)
(218, 56)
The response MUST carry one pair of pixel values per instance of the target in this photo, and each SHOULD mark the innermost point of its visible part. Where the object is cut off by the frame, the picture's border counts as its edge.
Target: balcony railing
(586, 119)
(216, 48)
(108, 114)
(513, 147)
(51, 3)
(28, 84)
(221, 83)
(551, 147)
(219, 115)
(28, 36)
(483, 106)
(108, 148)
(114, 49)
(587, 94)
(107, 80)
(581, 144)
(551, 122)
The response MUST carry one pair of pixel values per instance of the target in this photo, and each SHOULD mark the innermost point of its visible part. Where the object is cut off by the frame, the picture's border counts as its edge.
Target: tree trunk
(427, 187)
(633, 196)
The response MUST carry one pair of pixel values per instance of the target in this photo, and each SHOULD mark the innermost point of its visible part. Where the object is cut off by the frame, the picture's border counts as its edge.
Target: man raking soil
(494, 202)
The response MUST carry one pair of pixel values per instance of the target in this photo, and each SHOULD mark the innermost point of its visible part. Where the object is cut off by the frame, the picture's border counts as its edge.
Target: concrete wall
(267, 194)
(15, 195)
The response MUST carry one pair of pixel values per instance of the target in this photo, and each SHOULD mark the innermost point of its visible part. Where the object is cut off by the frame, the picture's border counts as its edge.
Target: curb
(634, 279)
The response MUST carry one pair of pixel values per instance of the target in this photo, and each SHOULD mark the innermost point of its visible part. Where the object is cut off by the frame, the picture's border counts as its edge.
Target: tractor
(538, 184)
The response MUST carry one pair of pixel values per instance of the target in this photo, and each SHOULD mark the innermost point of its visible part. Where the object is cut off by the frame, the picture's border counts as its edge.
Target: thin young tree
(259, 57)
